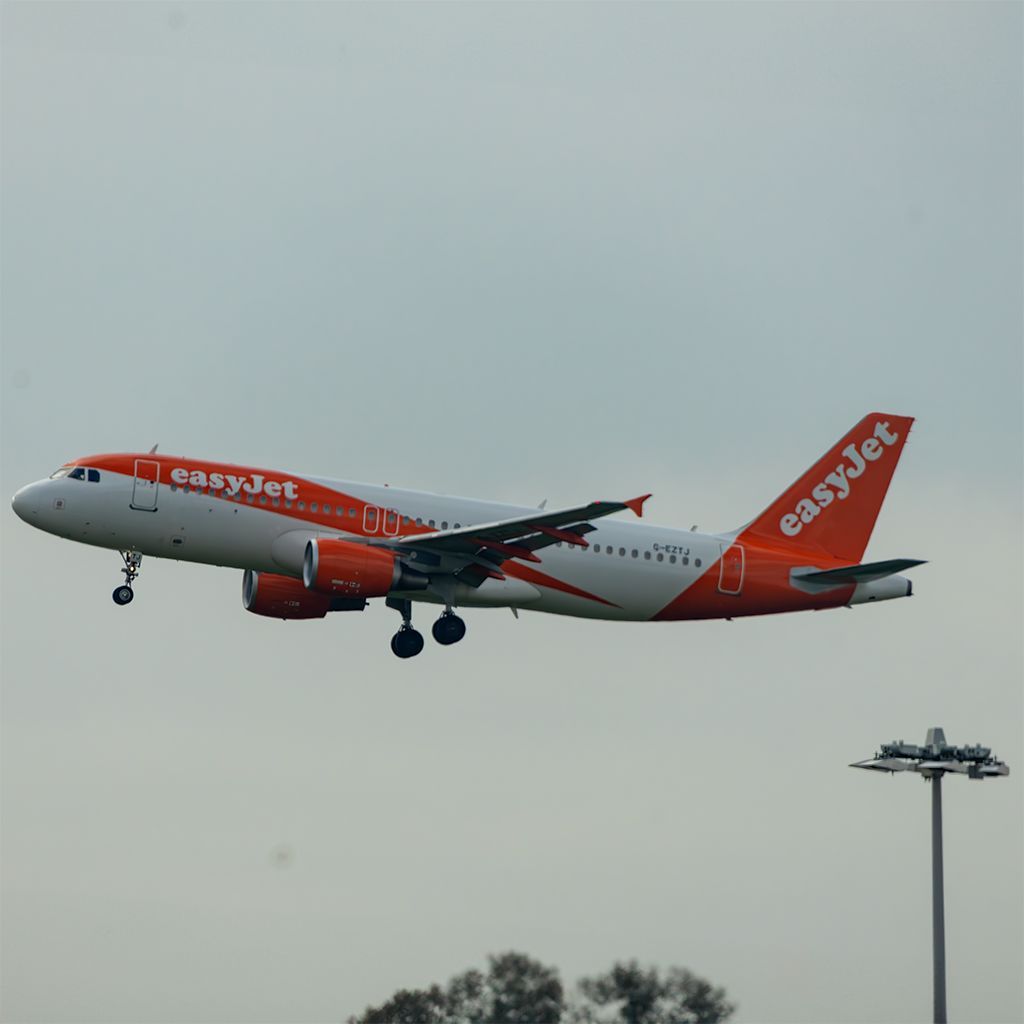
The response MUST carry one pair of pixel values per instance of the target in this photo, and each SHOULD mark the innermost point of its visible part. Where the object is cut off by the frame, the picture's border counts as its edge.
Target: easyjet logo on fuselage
(838, 483)
(254, 483)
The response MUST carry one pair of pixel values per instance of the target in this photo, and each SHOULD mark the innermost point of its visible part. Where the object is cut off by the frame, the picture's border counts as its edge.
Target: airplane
(311, 545)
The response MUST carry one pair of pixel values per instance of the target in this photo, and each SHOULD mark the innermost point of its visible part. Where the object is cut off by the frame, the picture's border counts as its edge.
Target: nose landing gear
(449, 629)
(124, 594)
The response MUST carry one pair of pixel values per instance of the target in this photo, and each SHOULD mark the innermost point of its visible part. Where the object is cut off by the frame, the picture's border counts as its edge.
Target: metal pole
(938, 912)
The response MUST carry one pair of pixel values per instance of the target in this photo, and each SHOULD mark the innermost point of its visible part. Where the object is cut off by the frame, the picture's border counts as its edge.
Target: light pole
(935, 759)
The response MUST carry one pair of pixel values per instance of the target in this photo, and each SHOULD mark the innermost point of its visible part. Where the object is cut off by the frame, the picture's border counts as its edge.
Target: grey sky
(519, 252)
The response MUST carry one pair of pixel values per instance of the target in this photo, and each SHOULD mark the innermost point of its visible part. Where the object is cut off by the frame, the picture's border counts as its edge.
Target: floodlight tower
(932, 761)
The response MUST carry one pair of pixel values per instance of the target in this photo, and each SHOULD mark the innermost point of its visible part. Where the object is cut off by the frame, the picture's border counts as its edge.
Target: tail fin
(834, 505)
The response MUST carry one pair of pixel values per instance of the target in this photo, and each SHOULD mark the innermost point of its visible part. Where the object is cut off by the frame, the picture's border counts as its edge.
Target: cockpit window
(77, 473)
(58, 473)
(94, 476)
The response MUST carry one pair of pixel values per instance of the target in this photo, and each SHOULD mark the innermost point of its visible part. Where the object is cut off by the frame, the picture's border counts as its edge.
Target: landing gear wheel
(123, 595)
(407, 642)
(449, 629)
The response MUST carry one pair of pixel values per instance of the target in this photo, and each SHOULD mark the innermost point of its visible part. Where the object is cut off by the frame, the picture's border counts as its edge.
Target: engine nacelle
(333, 566)
(282, 597)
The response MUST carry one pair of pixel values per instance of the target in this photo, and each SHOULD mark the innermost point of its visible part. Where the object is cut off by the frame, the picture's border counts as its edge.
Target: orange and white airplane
(310, 545)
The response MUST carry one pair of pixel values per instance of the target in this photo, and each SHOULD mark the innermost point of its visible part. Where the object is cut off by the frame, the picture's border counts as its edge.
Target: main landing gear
(449, 629)
(408, 642)
(132, 560)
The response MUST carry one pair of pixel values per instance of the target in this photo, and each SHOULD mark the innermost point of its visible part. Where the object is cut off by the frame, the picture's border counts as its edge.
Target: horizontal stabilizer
(858, 573)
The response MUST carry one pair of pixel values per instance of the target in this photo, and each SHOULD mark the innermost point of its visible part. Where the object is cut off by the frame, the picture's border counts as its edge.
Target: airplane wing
(485, 546)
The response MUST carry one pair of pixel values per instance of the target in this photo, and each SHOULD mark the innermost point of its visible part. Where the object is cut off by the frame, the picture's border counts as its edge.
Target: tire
(407, 643)
(123, 595)
(449, 629)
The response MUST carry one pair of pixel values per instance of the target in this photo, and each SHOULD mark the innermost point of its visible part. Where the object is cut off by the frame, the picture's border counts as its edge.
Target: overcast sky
(518, 252)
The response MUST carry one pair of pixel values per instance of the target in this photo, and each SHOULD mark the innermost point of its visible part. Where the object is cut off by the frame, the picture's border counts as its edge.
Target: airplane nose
(25, 503)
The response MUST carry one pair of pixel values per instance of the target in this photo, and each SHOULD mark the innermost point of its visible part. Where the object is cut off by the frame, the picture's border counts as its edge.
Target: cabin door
(730, 573)
(147, 481)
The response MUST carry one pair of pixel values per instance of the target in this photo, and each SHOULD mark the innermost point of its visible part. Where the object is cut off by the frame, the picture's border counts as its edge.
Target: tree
(409, 1006)
(640, 996)
(637, 991)
(518, 990)
(524, 991)
(515, 990)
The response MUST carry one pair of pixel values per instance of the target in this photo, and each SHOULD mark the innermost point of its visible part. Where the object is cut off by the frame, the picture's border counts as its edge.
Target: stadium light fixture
(935, 759)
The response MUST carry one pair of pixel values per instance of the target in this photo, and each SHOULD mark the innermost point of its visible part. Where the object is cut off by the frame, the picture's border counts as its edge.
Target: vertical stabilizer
(834, 505)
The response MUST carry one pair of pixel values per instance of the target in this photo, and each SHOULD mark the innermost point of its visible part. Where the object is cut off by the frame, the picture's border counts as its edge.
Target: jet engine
(333, 566)
(282, 597)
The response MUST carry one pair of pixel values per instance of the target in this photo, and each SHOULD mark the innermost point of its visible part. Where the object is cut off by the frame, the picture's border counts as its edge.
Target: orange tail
(834, 505)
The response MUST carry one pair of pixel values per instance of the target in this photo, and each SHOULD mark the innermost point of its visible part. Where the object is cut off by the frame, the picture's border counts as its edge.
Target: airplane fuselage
(262, 520)
(310, 545)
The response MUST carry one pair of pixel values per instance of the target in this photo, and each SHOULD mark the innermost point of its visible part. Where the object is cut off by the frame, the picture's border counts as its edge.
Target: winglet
(637, 504)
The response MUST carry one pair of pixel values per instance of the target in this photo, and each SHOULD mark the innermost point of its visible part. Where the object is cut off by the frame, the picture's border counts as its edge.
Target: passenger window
(635, 552)
(94, 476)
(622, 552)
(313, 506)
(597, 549)
(647, 555)
(263, 499)
(276, 502)
(287, 503)
(444, 525)
(77, 473)
(458, 526)
(327, 510)
(686, 560)
(672, 559)
(302, 506)
(696, 562)
(352, 513)
(661, 557)
(432, 524)
(419, 521)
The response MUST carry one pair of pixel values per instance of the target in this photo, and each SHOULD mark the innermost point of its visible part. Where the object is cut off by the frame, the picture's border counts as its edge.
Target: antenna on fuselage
(152, 451)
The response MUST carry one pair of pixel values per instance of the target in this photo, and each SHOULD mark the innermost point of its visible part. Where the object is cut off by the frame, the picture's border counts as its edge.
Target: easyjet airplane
(310, 545)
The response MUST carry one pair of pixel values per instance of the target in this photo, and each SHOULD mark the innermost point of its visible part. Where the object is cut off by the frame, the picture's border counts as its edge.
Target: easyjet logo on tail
(838, 483)
(255, 483)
